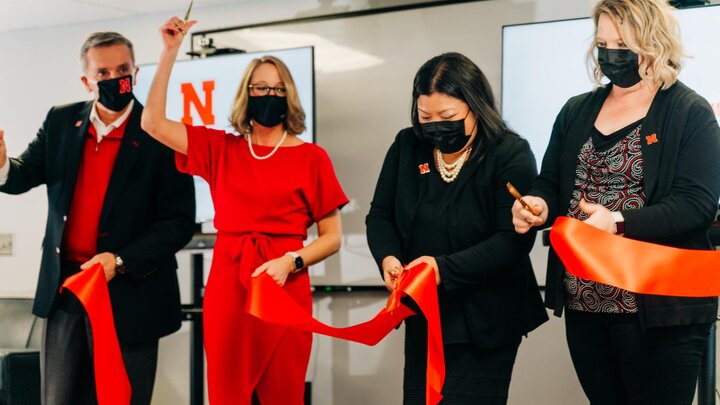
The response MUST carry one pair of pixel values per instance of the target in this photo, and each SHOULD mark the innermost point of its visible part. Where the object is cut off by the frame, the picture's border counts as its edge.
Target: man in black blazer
(114, 198)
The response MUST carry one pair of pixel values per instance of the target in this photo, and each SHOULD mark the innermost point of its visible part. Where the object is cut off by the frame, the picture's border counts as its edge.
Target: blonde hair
(294, 121)
(648, 28)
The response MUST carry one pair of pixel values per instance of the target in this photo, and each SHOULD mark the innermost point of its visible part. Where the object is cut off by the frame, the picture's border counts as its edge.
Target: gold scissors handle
(518, 197)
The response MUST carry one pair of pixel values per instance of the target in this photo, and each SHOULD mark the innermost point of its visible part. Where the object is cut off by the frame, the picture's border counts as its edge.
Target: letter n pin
(651, 139)
(424, 168)
(78, 124)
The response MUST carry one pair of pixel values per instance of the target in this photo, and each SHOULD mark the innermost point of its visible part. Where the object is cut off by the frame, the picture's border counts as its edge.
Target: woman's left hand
(598, 216)
(429, 260)
(173, 32)
(278, 269)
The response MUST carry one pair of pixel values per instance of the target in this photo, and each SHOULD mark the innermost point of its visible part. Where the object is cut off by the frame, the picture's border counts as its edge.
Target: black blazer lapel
(74, 144)
(468, 170)
(412, 185)
(581, 128)
(423, 156)
(652, 141)
(130, 147)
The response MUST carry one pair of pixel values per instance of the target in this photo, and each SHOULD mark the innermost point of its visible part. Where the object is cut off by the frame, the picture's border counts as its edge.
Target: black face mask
(267, 111)
(620, 66)
(116, 94)
(447, 136)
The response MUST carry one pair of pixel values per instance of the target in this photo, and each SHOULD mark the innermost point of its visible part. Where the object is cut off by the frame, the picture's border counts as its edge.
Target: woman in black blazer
(640, 157)
(441, 199)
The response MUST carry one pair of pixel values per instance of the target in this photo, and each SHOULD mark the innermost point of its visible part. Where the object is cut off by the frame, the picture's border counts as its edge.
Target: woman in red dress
(268, 187)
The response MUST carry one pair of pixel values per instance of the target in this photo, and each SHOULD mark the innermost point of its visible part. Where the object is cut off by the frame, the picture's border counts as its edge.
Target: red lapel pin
(424, 168)
(651, 139)
(136, 144)
(78, 124)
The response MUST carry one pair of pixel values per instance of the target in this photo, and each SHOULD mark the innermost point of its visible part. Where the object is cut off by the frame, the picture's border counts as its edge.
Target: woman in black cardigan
(441, 200)
(640, 157)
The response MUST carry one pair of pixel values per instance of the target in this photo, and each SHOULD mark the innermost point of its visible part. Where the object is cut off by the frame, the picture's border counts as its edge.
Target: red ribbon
(111, 380)
(270, 303)
(639, 267)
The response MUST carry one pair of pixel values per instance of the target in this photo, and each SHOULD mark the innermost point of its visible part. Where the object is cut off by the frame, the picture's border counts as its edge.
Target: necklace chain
(275, 149)
(450, 171)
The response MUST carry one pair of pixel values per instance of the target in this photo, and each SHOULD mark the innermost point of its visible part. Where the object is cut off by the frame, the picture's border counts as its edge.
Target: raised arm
(171, 133)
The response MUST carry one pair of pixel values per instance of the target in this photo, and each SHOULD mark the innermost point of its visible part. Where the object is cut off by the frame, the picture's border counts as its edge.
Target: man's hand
(107, 260)
(3, 149)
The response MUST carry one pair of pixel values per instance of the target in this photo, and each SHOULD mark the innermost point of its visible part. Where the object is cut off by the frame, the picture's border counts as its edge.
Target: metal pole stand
(192, 313)
(706, 379)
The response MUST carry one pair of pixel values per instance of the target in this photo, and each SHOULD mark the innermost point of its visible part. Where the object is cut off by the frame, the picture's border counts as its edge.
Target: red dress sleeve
(325, 192)
(204, 148)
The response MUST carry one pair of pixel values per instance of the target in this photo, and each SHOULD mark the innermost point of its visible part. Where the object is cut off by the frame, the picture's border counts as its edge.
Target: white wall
(41, 68)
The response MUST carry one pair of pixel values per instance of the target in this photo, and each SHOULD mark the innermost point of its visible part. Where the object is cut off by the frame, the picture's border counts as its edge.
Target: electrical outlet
(6, 244)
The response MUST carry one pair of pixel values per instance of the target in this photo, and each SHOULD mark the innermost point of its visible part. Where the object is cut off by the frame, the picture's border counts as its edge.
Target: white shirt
(100, 128)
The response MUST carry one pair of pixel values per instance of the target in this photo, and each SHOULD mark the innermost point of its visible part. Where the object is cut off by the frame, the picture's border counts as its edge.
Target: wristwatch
(119, 264)
(297, 261)
(619, 222)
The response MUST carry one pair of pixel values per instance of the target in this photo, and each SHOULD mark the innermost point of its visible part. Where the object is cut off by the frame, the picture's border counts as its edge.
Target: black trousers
(618, 362)
(66, 359)
(472, 375)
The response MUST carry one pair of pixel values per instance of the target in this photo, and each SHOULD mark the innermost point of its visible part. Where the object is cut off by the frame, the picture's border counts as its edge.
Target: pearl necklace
(275, 149)
(450, 172)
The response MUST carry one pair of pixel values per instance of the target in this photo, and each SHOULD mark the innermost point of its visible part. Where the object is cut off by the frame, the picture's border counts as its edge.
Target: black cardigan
(491, 268)
(682, 184)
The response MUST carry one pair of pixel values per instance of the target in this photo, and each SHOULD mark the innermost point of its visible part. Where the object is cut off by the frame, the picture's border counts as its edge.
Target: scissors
(185, 20)
(187, 13)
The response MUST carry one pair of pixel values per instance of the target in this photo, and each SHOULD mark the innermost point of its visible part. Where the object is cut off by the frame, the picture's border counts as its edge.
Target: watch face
(299, 263)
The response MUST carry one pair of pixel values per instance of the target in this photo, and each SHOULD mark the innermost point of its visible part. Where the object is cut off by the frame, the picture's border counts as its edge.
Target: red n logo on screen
(125, 86)
(190, 96)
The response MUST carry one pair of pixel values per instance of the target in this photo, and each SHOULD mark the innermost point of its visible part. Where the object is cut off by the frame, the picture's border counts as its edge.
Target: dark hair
(455, 75)
(103, 39)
